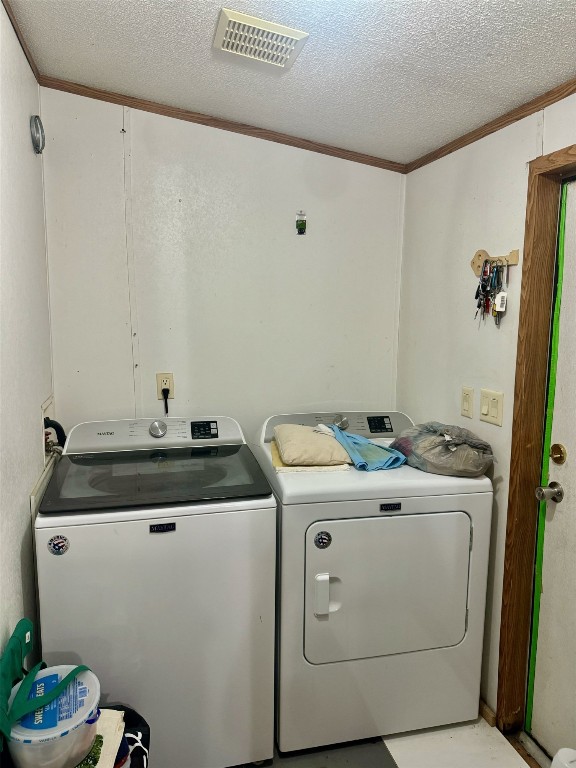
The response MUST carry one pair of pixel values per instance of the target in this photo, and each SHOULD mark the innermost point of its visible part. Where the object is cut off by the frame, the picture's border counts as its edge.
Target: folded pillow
(306, 447)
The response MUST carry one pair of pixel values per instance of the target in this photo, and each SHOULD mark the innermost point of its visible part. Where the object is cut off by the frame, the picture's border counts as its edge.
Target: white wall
(184, 236)
(559, 125)
(86, 234)
(209, 272)
(474, 198)
(25, 371)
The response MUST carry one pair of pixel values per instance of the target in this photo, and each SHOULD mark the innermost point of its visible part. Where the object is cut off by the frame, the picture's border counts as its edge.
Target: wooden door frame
(542, 209)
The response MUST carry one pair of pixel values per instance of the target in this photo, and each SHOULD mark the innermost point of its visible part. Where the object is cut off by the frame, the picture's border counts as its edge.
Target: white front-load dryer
(382, 587)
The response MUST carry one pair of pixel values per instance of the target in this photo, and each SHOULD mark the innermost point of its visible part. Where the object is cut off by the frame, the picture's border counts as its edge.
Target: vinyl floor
(365, 754)
(471, 745)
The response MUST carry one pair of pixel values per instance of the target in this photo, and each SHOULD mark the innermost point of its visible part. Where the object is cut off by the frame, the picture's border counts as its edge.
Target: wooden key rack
(481, 256)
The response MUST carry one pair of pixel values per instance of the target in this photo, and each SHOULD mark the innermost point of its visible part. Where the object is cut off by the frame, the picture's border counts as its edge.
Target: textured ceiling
(390, 78)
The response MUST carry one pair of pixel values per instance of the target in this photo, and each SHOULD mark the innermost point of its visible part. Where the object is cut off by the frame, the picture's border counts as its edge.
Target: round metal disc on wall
(37, 134)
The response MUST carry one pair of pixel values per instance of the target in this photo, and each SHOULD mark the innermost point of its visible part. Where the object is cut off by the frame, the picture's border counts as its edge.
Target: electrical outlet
(164, 380)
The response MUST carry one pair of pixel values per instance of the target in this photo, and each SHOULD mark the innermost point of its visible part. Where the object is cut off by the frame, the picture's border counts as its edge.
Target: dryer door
(382, 585)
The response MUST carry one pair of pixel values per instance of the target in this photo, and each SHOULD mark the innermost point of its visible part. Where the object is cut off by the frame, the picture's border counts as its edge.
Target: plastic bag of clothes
(444, 450)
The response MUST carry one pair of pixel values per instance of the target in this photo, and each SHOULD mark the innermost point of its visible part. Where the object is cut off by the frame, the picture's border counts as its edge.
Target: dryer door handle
(322, 594)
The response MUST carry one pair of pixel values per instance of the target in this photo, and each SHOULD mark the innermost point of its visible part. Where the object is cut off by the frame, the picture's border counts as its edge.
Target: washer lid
(100, 481)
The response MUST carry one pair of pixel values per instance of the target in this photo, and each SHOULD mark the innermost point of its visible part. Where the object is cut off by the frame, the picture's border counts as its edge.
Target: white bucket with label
(60, 734)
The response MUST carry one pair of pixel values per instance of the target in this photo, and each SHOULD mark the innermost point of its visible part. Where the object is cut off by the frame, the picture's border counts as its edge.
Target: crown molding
(525, 110)
(217, 122)
(21, 40)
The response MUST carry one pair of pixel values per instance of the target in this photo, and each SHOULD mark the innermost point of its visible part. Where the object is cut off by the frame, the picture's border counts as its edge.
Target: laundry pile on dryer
(297, 446)
(431, 447)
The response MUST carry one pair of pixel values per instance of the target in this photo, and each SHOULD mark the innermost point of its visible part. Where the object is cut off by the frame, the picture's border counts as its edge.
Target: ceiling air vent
(258, 39)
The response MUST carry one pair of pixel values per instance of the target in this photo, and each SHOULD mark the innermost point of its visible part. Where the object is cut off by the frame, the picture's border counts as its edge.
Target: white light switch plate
(467, 402)
(491, 406)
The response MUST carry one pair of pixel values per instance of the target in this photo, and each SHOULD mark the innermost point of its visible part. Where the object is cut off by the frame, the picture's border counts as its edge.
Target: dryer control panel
(371, 424)
(380, 424)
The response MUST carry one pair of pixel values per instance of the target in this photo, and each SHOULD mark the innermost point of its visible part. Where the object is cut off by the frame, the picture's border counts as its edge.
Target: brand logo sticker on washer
(323, 539)
(390, 507)
(58, 545)
(162, 527)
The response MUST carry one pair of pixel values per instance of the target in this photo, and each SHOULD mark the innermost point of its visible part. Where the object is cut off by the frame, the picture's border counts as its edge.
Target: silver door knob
(554, 492)
(158, 428)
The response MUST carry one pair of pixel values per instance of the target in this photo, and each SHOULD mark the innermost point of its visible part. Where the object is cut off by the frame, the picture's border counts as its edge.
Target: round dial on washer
(158, 428)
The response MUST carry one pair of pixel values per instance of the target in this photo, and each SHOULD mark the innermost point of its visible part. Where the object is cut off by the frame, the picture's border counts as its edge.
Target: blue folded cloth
(366, 454)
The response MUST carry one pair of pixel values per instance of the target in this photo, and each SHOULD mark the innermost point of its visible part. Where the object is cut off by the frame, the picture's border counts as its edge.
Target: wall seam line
(130, 270)
(400, 263)
(47, 265)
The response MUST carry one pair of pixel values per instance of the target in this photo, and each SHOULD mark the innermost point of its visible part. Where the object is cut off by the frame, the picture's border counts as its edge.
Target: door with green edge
(551, 704)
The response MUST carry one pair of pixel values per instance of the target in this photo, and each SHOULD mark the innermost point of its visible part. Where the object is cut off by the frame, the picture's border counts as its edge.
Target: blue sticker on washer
(58, 544)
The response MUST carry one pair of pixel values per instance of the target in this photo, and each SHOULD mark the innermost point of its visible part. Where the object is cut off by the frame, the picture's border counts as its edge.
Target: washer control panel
(204, 430)
(140, 434)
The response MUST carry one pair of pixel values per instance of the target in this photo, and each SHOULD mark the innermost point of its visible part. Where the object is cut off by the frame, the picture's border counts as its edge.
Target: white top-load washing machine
(382, 593)
(155, 545)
